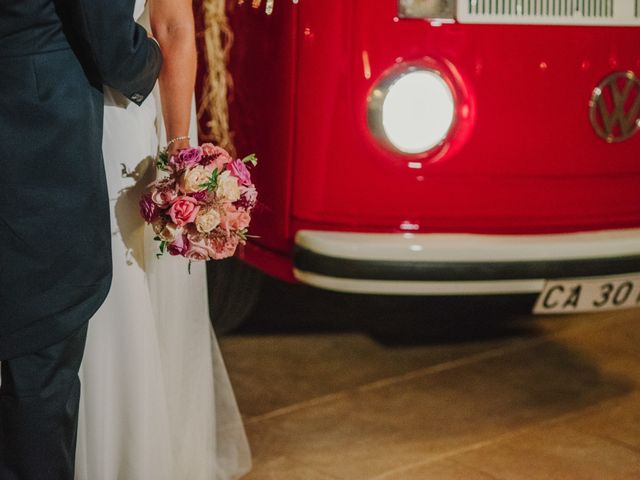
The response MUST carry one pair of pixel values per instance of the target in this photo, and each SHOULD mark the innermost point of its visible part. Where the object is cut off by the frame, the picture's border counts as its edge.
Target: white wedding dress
(156, 399)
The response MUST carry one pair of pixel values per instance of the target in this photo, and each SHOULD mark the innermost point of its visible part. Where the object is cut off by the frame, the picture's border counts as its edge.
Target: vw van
(443, 147)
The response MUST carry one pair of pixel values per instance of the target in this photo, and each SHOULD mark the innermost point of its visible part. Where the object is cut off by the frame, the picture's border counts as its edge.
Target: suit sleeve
(126, 59)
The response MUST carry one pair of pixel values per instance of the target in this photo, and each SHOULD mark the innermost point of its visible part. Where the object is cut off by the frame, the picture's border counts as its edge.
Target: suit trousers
(39, 401)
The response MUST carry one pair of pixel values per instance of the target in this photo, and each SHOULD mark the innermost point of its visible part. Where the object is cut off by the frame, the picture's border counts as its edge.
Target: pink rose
(200, 250)
(216, 156)
(163, 196)
(183, 210)
(148, 209)
(234, 219)
(240, 170)
(220, 162)
(209, 149)
(179, 246)
(224, 247)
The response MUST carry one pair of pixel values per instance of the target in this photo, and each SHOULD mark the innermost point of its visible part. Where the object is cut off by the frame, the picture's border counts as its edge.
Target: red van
(444, 147)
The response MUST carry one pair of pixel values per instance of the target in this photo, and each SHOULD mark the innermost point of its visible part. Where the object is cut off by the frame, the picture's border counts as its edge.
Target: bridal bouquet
(201, 207)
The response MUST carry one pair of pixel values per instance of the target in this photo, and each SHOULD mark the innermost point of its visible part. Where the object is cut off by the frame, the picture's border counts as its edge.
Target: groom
(55, 257)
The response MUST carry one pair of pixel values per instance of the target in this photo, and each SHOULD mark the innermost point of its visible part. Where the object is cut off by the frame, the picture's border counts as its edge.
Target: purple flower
(148, 209)
(240, 170)
(200, 196)
(186, 158)
(179, 246)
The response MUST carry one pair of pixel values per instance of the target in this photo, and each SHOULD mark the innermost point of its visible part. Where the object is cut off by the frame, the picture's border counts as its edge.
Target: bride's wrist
(176, 140)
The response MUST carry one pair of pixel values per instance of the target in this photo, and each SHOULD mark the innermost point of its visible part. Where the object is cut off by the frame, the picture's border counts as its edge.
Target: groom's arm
(124, 56)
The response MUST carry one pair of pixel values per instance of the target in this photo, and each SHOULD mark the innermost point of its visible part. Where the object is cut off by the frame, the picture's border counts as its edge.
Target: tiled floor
(545, 398)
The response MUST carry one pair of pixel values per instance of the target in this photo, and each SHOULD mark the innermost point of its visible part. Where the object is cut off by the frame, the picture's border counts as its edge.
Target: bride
(157, 403)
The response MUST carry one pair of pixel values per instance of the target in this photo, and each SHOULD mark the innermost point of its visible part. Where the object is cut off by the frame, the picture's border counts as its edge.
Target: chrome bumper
(459, 264)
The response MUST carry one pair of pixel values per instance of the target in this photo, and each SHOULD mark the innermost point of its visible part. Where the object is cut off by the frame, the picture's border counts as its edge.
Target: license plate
(589, 295)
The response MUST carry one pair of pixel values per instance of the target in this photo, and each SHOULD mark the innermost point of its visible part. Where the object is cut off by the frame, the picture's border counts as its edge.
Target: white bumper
(459, 264)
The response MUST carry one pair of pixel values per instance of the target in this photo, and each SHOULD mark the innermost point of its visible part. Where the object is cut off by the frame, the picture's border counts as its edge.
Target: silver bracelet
(177, 139)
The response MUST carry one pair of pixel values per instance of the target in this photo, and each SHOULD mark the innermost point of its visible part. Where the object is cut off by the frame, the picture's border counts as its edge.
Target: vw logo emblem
(614, 108)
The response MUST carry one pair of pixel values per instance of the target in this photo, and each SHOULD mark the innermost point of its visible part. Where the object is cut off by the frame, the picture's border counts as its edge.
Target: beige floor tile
(623, 334)
(551, 324)
(284, 469)
(443, 470)
(614, 347)
(270, 372)
(619, 422)
(372, 431)
(555, 453)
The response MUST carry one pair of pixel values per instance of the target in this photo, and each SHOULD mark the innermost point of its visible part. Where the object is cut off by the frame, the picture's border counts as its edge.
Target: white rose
(194, 178)
(170, 232)
(207, 220)
(228, 187)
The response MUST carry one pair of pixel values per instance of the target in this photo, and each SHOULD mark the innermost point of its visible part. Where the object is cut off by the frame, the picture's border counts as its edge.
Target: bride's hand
(178, 145)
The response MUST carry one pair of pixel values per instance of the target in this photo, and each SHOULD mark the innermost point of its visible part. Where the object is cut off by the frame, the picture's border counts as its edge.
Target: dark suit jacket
(55, 255)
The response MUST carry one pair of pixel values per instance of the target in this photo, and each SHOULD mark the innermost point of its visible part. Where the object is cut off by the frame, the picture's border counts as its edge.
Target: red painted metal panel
(263, 66)
(531, 162)
(523, 157)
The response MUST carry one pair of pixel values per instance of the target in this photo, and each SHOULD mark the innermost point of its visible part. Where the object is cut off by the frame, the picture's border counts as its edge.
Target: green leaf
(212, 183)
(189, 267)
(163, 160)
(252, 159)
(242, 233)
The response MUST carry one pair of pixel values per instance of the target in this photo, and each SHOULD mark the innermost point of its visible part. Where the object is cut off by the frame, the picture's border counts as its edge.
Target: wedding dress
(156, 399)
